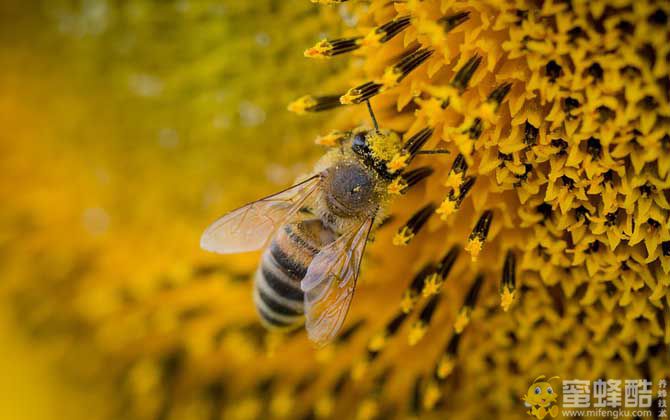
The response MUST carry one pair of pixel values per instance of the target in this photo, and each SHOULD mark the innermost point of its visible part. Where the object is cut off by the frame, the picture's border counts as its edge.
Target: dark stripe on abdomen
(272, 321)
(281, 285)
(276, 305)
(278, 297)
(288, 265)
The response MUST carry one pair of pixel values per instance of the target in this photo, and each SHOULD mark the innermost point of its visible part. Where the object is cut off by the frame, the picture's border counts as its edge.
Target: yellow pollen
(320, 50)
(462, 320)
(487, 111)
(432, 285)
(398, 162)
(300, 105)
(349, 97)
(474, 247)
(445, 366)
(506, 298)
(390, 77)
(431, 396)
(454, 180)
(372, 39)
(403, 236)
(384, 145)
(377, 342)
(397, 186)
(407, 302)
(446, 209)
(416, 332)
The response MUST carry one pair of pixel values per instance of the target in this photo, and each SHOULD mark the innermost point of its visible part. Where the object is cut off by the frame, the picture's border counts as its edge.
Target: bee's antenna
(433, 152)
(372, 115)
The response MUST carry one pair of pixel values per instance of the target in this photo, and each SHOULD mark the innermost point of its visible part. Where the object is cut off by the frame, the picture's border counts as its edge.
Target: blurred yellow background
(126, 128)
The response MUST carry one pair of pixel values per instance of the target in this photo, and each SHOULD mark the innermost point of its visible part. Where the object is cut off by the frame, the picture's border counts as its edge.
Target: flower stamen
(479, 234)
(464, 315)
(396, 73)
(407, 232)
(452, 21)
(309, 103)
(361, 93)
(419, 328)
(327, 49)
(387, 31)
(508, 283)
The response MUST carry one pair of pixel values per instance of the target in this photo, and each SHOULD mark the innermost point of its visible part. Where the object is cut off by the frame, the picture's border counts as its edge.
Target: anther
(415, 399)
(457, 172)
(508, 283)
(460, 81)
(401, 184)
(360, 93)
(419, 328)
(417, 175)
(396, 73)
(479, 233)
(327, 49)
(416, 142)
(387, 31)
(463, 318)
(433, 283)
(459, 165)
(665, 247)
(452, 21)
(447, 362)
(475, 129)
(378, 341)
(594, 148)
(553, 70)
(411, 295)
(499, 93)
(309, 103)
(455, 199)
(413, 225)
(530, 134)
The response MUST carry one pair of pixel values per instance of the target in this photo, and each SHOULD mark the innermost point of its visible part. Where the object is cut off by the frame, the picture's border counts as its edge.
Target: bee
(314, 233)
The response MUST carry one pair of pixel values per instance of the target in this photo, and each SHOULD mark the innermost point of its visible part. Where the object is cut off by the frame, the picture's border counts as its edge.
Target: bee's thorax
(350, 190)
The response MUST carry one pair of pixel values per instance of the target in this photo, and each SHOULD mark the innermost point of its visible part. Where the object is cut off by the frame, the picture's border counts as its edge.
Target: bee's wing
(249, 228)
(330, 282)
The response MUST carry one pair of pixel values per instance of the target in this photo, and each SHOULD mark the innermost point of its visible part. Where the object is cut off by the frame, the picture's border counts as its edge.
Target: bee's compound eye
(550, 391)
(538, 390)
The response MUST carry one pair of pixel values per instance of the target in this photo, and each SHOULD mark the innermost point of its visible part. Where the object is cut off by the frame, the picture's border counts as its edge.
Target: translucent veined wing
(250, 228)
(330, 282)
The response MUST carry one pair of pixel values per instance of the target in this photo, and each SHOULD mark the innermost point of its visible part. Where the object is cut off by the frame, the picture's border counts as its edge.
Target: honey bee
(315, 232)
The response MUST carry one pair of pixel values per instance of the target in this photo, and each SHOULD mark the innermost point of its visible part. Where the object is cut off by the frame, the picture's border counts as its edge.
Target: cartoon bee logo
(541, 398)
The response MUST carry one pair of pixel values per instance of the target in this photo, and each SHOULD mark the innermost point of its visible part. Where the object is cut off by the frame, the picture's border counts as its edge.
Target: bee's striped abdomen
(277, 293)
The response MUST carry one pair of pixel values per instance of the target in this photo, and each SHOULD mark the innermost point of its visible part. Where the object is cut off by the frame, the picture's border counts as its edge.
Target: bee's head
(376, 149)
